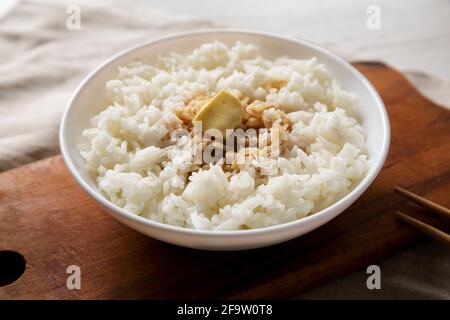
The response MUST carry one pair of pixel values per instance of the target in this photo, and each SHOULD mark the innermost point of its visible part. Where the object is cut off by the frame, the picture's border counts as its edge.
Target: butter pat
(223, 111)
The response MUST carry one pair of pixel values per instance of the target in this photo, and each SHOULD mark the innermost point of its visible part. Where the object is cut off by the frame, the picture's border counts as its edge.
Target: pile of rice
(140, 169)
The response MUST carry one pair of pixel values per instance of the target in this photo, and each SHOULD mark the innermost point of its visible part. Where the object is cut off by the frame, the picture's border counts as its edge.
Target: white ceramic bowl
(89, 98)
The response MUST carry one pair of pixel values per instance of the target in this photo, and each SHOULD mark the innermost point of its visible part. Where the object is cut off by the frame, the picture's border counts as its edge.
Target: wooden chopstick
(422, 226)
(425, 228)
(434, 207)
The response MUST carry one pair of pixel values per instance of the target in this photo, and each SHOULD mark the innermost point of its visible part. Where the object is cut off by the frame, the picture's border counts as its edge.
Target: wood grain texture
(46, 216)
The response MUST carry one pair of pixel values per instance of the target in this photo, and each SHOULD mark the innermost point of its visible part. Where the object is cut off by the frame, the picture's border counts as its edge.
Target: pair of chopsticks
(422, 226)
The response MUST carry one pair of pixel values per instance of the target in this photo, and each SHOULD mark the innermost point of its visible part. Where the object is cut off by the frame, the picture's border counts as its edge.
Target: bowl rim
(347, 200)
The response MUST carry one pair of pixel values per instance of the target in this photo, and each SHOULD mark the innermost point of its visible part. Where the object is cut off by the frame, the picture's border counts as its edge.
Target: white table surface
(414, 35)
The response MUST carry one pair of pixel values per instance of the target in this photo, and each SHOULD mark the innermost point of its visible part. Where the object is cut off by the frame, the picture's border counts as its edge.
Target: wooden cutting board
(45, 216)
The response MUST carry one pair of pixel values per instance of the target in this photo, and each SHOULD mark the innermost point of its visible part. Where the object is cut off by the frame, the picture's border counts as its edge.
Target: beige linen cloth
(42, 62)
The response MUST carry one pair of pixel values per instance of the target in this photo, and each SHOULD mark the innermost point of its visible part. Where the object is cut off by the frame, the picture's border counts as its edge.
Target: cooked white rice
(139, 169)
